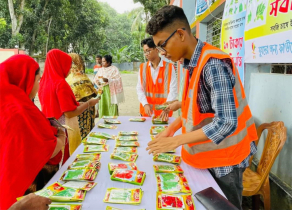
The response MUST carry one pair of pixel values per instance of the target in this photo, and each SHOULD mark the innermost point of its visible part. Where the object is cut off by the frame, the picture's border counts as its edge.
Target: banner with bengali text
(268, 31)
(232, 32)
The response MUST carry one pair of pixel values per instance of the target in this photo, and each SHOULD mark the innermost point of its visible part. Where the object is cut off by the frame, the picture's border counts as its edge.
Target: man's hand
(148, 110)
(32, 202)
(162, 144)
(164, 115)
(93, 101)
(166, 133)
(174, 106)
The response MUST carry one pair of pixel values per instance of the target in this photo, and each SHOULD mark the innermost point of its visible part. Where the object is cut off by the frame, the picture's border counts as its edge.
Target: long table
(197, 179)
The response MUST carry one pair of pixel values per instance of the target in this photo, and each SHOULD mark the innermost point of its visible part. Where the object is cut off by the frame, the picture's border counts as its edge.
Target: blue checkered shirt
(215, 95)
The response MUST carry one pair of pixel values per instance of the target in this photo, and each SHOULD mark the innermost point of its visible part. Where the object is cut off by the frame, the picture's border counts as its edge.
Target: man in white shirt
(157, 82)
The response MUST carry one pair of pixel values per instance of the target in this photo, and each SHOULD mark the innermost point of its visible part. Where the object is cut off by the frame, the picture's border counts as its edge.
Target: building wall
(189, 7)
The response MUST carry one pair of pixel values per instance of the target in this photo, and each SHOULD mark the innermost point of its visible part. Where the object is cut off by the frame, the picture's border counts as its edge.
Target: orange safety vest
(155, 93)
(235, 147)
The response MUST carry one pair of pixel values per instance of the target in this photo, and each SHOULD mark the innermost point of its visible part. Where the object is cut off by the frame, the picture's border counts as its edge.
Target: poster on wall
(268, 31)
(232, 32)
(201, 6)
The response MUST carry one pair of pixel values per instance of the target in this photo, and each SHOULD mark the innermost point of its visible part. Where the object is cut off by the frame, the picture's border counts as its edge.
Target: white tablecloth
(197, 179)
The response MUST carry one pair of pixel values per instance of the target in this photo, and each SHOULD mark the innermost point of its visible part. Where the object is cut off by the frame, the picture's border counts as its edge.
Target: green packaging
(93, 140)
(95, 148)
(161, 106)
(127, 138)
(157, 120)
(85, 164)
(85, 174)
(129, 166)
(130, 176)
(128, 133)
(127, 144)
(110, 117)
(123, 196)
(126, 149)
(110, 121)
(65, 206)
(137, 119)
(100, 125)
(167, 169)
(154, 130)
(101, 135)
(129, 157)
(169, 158)
(113, 208)
(172, 183)
(87, 186)
(91, 156)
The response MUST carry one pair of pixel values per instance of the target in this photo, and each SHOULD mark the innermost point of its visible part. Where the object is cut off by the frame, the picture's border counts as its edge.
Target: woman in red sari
(58, 100)
(27, 140)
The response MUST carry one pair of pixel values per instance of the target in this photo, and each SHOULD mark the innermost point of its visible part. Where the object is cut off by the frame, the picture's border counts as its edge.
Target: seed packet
(93, 140)
(157, 120)
(127, 144)
(170, 177)
(129, 166)
(126, 149)
(87, 186)
(100, 125)
(95, 148)
(101, 135)
(110, 117)
(130, 176)
(84, 174)
(69, 194)
(113, 208)
(137, 119)
(55, 206)
(85, 164)
(172, 183)
(128, 133)
(110, 121)
(123, 196)
(91, 156)
(170, 158)
(157, 129)
(50, 190)
(179, 202)
(130, 157)
(161, 106)
(127, 138)
(167, 169)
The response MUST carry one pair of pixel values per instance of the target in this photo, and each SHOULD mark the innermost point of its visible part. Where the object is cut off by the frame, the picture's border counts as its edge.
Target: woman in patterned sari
(109, 79)
(83, 90)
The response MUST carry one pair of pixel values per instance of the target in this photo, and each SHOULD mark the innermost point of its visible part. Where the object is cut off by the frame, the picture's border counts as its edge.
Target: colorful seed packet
(157, 120)
(126, 149)
(154, 130)
(87, 186)
(110, 117)
(127, 144)
(95, 148)
(129, 157)
(110, 121)
(129, 166)
(137, 119)
(173, 187)
(127, 138)
(55, 206)
(168, 201)
(113, 208)
(128, 133)
(130, 176)
(91, 156)
(123, 196)
(165, 157)
(170, 177)
(85, 174)
(100, 125)
(167, 169)
(69, 194)
(50, 190)
(101, 135)
(85, 164)
(161, 106)
(93, 140)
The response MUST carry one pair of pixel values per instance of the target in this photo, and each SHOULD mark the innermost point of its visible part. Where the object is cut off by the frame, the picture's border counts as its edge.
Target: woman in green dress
(109, 79)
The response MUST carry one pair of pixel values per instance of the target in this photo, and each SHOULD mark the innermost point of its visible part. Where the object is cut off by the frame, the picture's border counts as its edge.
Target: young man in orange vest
(218, 130)
(157, 83)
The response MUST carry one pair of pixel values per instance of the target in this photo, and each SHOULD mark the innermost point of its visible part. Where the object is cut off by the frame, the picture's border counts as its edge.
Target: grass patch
(89, 71)
(127, 72)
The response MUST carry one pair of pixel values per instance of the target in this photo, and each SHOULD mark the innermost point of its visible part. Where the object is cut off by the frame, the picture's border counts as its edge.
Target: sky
(122, 6)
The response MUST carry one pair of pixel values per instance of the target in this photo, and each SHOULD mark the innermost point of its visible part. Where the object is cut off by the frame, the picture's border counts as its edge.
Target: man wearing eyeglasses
(218, 131)
(157, 83)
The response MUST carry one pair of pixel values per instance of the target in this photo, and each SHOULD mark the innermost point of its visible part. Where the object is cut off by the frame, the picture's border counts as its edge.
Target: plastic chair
(257, 183)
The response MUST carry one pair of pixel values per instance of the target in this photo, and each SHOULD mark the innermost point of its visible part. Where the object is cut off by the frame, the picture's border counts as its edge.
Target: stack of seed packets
(65, 206)
(169, 158)
(111, 121)
(107, 126)
(160, 106)
(94, 164)
(126, 149)
(101, 135)
(87, 186)
(137, 119)
(158, 120)
(110, 117)
(129, 176)
(95, 148)
(80, 174)
(91, 156)
(125, 156)
(128, 133)
(123, 196)
(170, 201)
(154, 130)
(167, 169)
(127, 138)
(93, 140)
(128, 166)
(172, 183)
(113, 208)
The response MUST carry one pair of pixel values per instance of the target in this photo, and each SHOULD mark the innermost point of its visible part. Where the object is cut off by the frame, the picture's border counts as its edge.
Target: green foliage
(127, 72)
(89, 71)
(260, 11)
(152, 5)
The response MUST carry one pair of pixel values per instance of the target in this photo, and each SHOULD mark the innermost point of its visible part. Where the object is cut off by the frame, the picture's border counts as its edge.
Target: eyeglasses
(161, 47)
(147, 52)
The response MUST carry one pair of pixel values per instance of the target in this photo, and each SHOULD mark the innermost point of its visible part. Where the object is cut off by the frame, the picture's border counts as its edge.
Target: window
(281, 68)
(214, 30)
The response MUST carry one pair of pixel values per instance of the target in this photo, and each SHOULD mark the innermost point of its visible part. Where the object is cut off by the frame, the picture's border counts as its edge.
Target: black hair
(37, 71)
(98, 56)
(149, 42)
(108, 58)
(165, 17)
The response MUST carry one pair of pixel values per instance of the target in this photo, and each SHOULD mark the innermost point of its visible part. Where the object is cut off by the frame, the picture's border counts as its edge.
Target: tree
(16, 15)
(152, 5)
